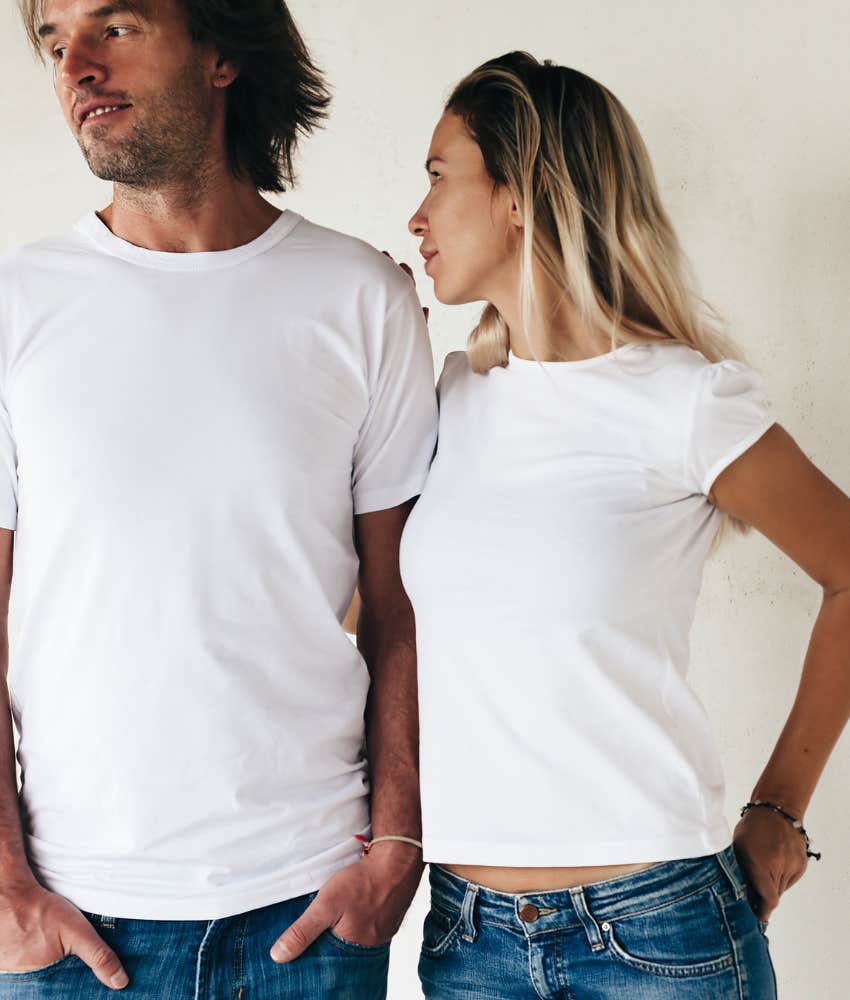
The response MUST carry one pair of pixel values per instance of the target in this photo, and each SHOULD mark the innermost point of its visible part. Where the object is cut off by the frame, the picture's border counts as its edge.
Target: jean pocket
(749, 894)
(683, 938)
(44, 970)
(439, 931)
(354, 948)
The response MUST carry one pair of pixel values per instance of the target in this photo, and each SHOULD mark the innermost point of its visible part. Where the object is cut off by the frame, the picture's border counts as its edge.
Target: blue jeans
(679, 930)
(222, 959)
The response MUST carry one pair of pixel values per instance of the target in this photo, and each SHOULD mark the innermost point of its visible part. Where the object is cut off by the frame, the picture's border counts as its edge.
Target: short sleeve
(452, 363)
(396, 441)
(8, 473)
(729, 413)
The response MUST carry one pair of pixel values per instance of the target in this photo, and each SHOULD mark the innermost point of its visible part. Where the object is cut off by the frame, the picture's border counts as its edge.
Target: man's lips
(85, 116)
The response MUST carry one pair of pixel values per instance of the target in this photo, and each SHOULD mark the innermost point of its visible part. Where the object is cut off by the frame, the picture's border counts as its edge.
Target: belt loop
(467, 911)
(591, 928)
(728, 870)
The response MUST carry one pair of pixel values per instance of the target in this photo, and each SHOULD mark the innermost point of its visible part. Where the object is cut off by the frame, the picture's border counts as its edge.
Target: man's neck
(189, 218)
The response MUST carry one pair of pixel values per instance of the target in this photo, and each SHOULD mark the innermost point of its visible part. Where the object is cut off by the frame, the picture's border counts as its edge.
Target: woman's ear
(514, 214)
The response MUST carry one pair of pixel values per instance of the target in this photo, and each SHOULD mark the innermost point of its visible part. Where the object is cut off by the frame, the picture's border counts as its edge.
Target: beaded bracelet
(368, 844)
(796, 823)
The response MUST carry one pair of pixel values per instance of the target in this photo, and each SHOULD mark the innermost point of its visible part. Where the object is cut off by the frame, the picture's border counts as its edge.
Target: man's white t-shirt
(554, 561)
(184, 441)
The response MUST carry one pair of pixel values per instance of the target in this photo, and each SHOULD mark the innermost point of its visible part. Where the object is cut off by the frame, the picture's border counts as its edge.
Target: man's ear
(226, 71)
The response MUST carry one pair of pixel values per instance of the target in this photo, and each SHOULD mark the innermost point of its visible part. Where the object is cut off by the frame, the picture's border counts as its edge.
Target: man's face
(141, 66)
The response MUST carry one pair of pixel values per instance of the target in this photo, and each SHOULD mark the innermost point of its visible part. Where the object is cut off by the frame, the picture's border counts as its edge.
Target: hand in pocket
(39, 928)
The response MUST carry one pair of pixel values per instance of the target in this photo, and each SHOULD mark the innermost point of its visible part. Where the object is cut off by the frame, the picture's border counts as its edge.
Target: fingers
(408, 270)
(299, 936)
(98, 956)
(768, 901)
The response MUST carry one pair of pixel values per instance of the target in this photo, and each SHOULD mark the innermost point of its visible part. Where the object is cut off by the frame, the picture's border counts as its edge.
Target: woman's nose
(418, 224)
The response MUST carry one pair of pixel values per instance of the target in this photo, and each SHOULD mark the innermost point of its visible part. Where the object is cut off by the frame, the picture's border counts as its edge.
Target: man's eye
(60, 49)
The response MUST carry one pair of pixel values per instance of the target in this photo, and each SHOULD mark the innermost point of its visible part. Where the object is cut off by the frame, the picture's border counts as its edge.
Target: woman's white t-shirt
(554, 561)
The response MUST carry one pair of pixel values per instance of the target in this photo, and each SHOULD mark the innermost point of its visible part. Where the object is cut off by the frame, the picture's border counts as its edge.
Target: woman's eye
(435, 174)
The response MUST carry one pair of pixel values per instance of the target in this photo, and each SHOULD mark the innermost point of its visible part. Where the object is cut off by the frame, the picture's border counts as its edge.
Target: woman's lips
(429, 260)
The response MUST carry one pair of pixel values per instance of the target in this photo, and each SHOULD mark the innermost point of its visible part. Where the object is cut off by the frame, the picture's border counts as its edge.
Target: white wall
(744, 106)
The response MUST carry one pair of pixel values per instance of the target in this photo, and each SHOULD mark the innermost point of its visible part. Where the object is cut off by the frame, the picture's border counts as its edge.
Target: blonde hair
(593, 223)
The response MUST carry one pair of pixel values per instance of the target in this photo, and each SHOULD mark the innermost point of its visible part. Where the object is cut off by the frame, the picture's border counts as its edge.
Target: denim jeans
(226, 959)
(678, 930)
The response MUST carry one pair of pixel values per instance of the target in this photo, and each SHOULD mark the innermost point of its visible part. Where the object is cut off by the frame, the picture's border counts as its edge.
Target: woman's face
(468, 226)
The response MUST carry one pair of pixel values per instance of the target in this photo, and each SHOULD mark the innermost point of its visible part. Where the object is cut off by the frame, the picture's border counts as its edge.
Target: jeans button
(529, 913)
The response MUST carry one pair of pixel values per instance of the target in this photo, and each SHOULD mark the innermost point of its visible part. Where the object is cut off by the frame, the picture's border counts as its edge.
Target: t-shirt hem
(391, 496)
(568, 855)
(208, 906)
(729, 457)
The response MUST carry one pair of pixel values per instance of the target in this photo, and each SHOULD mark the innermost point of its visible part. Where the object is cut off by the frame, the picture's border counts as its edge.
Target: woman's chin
(449, 296)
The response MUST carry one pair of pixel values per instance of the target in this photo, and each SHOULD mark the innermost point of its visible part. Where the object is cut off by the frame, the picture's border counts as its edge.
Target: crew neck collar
(203, 260)
(597, 359)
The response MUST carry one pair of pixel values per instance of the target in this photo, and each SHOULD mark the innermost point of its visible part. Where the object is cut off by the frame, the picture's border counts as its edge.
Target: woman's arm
(774, 487)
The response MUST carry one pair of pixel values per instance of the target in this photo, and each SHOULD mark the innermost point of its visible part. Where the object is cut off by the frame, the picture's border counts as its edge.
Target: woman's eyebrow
(107, 10)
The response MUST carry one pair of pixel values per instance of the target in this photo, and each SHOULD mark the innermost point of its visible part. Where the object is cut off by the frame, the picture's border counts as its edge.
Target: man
(215, 419)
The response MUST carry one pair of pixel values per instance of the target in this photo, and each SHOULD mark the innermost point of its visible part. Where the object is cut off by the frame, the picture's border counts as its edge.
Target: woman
(593, 437)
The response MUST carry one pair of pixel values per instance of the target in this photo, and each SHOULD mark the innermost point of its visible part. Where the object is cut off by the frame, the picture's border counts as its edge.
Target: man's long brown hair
(278, 96)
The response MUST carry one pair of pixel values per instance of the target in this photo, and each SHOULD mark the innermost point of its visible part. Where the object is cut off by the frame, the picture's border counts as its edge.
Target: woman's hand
(772, 855)
(408, 270)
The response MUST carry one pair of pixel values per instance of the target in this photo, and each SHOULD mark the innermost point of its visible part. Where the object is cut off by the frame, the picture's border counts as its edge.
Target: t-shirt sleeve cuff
(366, 501)
(729, 457)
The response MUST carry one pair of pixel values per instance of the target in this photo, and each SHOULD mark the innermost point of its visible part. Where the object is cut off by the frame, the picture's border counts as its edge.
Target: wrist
(388, 838)
(14, 885)
(765, 805)
(786, 799)
(396, 850)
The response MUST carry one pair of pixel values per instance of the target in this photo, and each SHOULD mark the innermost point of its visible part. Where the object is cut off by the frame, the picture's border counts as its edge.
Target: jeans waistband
(585, 905)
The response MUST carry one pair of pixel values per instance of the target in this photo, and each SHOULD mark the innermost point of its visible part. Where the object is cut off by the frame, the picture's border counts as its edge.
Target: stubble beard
(166, 142)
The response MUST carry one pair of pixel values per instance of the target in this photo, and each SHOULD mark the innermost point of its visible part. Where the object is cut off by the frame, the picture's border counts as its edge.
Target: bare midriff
(521, 880)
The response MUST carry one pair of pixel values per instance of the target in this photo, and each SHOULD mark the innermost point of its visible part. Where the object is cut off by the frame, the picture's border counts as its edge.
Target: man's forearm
(388, 644)
(15, 871)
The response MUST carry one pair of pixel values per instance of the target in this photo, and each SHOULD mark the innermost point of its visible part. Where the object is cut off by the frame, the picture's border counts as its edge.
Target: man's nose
(80, 69)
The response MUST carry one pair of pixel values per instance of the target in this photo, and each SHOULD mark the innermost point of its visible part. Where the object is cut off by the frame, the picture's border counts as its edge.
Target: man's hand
(772, 856)
(38, 927)
(364, 903)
